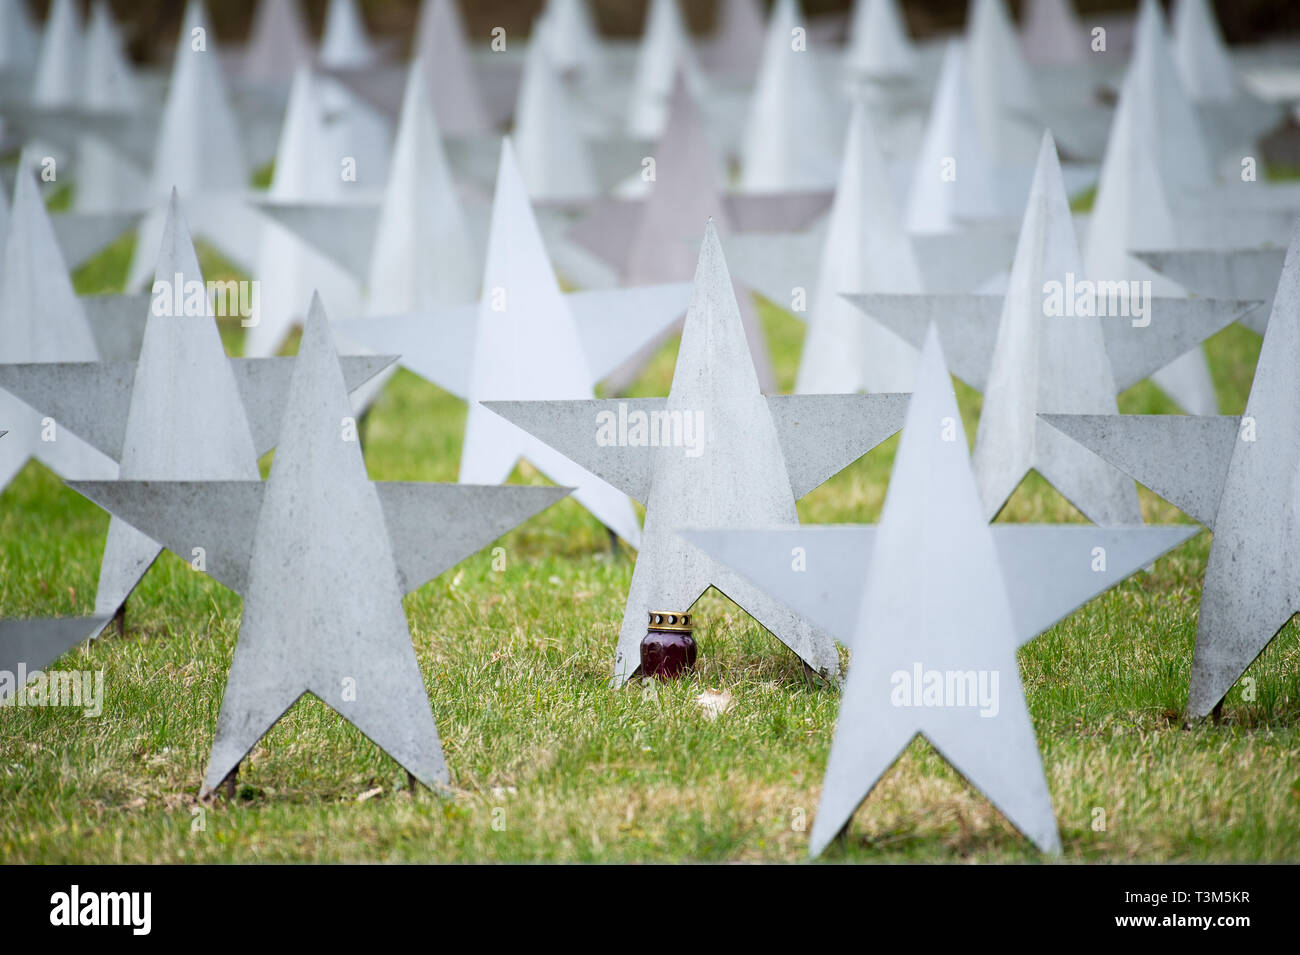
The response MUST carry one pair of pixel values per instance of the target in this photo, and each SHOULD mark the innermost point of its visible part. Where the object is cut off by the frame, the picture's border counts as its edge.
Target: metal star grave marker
(933, 603)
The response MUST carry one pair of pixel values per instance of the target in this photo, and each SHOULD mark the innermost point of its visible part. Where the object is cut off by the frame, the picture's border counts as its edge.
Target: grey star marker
(724, 456)
(323, 557)
(1236, 476)
(525, 339)
(183, 412)
(1030, 352)
(933, 603)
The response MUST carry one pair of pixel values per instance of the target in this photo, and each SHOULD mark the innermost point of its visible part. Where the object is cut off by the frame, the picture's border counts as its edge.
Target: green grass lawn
(548, 763)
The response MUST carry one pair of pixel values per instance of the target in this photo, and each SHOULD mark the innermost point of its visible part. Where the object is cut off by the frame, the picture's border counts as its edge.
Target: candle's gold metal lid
(670, 620)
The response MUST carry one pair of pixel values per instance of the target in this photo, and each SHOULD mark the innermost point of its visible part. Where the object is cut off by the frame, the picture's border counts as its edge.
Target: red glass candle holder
(668, 649)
